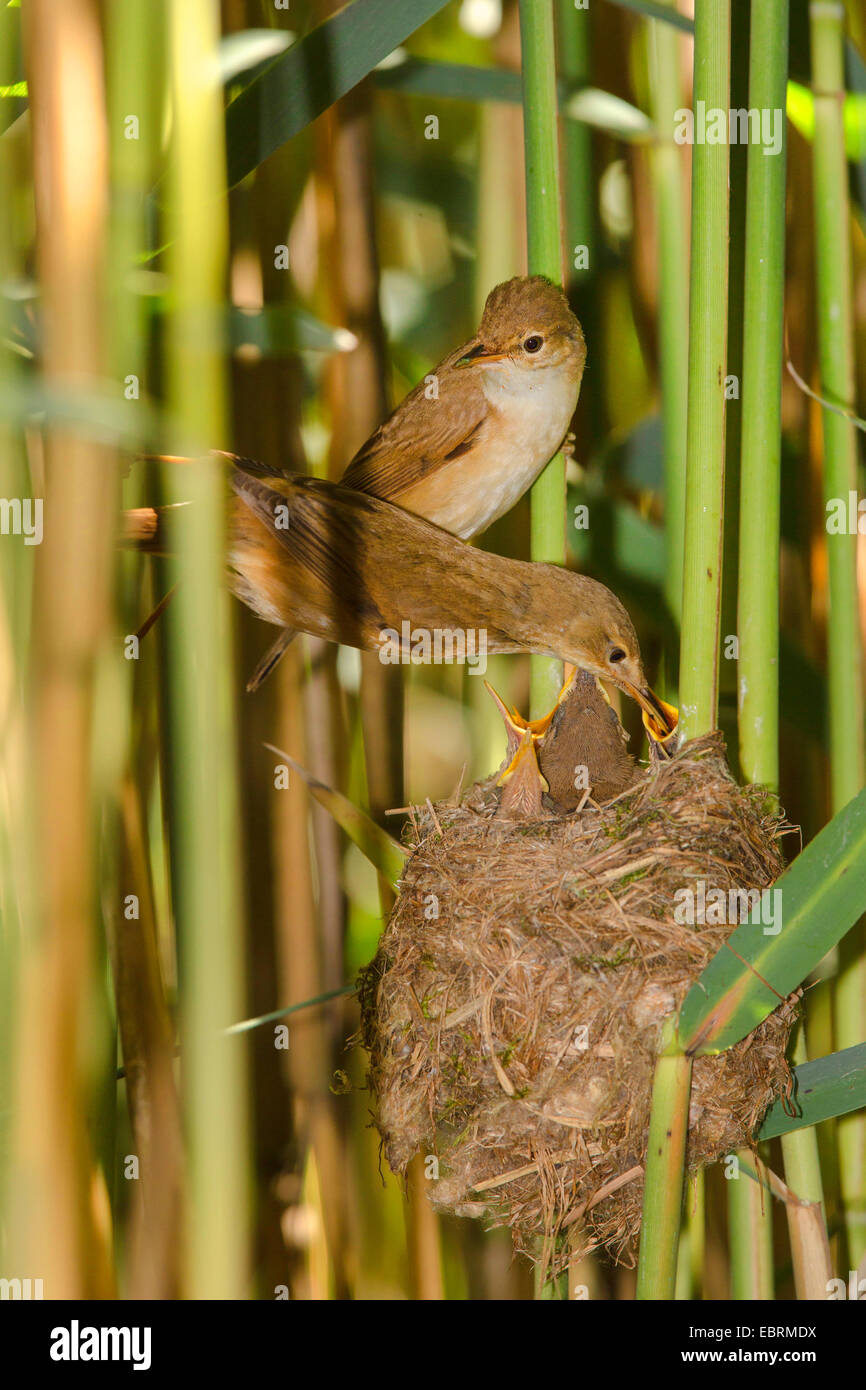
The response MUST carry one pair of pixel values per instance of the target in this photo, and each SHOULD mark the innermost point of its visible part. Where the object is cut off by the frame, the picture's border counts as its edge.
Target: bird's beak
(523, 763)
(659, 718)
(480, 354)
(515, 722)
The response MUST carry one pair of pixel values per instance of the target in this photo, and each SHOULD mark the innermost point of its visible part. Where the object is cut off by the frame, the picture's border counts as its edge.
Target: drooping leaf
(827, 1087)
(651, 9)
(262, 1020)
(315, 72)
(460, 81)
(386, 855)
(821, 896)
(465, 82)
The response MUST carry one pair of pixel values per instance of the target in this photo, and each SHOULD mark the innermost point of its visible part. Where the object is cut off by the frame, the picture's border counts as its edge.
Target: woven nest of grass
(514, 1035)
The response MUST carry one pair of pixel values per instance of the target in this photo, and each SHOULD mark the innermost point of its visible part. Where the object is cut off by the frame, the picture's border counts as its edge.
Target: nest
(513, 1011)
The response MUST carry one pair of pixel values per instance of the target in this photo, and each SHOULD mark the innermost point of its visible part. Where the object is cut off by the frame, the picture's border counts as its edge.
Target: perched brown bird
(469, 440)
(477, 431)
(311, 555)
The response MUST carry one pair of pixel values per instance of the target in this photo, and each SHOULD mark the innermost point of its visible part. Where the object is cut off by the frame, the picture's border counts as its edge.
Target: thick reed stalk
(705, 447)
(693, 1241)
(135, 55)
(726, 717)
(572, 42)
(758, 611)
(544, 237)
(663, 1185)
(750, 1231)
(581, 237)
(201, 713)
(16, 577)
(673, 317)
(844, 656)
(758, 589)
(53, 1226)
(705, 487)
(360, 397)
(803, 1177)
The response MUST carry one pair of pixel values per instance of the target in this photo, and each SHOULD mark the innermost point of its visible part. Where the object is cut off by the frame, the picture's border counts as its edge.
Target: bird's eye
(616, 654)
(533, 342)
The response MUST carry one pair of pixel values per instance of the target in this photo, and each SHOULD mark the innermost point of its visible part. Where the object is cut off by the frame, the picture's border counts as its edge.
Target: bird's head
(527, 323)
(596, 633)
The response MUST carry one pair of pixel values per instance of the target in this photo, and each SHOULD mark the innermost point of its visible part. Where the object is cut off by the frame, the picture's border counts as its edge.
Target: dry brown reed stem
(59, 1230)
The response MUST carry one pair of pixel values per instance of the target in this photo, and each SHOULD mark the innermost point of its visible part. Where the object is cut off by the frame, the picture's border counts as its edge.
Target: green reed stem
(802, 1168)
(705, 447)
(581, 235)
(544, 237)
(809, 1243)
(663, 1185)
(726, 718)
(203, 784)
(758, 611)
(578, 195)
(835, 305)
(673, 242)
(750, 1219)
(750, 1230)
(705, 484)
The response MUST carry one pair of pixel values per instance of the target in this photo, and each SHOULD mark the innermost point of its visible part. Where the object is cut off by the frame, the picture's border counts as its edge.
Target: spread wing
(448, 411)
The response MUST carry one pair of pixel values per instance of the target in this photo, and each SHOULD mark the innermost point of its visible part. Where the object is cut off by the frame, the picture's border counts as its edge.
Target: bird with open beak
(573, 755)
(313, 556)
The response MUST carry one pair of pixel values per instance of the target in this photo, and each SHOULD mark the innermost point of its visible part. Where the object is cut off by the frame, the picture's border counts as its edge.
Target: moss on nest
(513, 1011)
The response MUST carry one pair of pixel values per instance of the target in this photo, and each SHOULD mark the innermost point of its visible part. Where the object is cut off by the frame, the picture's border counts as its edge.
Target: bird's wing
(344, 565)
(322, 532)
(441, 419)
